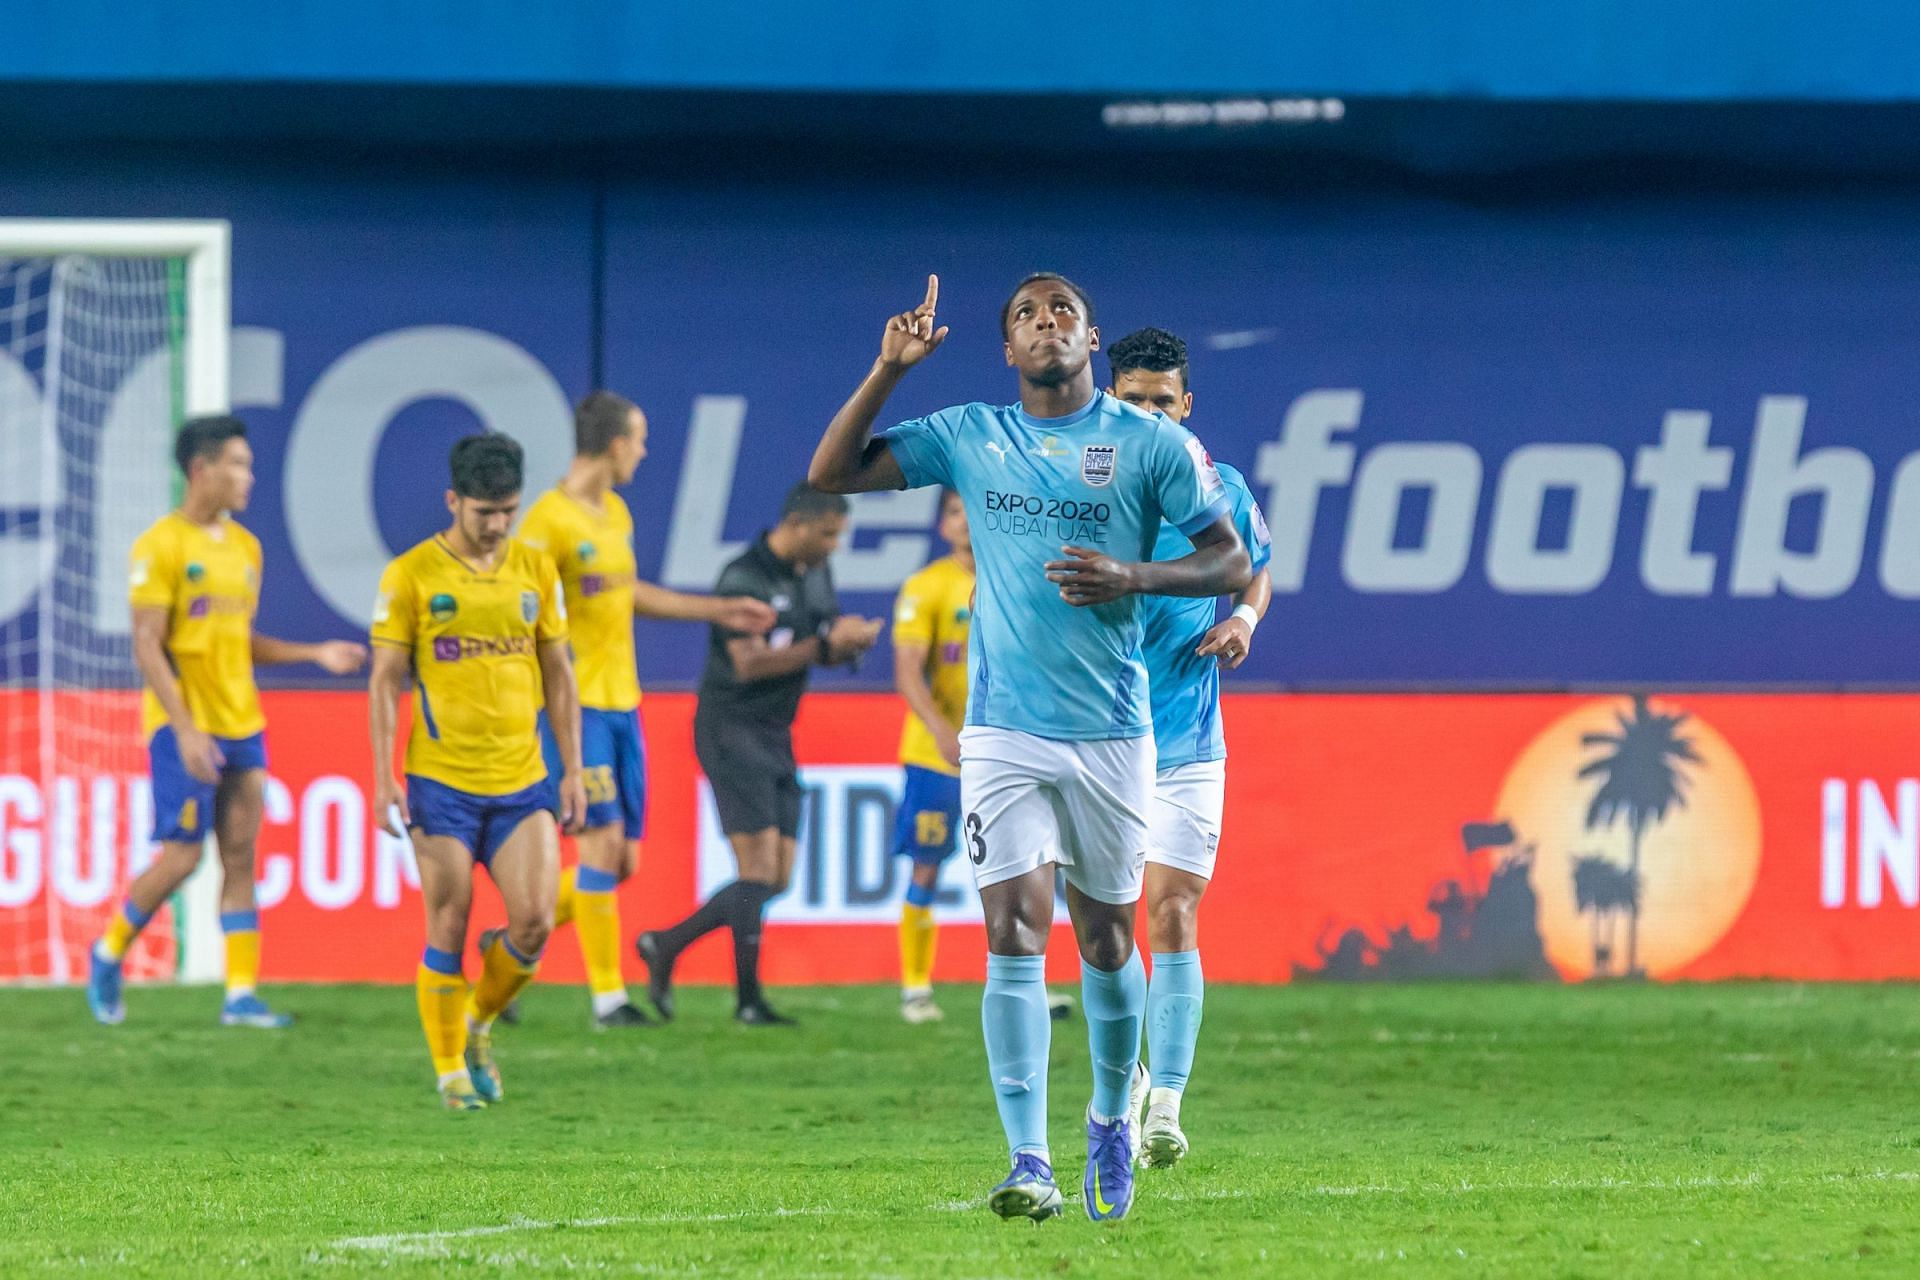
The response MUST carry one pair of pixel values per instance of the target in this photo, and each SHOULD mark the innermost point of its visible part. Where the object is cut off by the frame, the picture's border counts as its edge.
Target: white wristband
(1246, 614)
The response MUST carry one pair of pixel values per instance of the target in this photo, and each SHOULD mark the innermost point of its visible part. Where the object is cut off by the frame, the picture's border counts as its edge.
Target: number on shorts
(976, 842)
(930, 829)
(600, 785)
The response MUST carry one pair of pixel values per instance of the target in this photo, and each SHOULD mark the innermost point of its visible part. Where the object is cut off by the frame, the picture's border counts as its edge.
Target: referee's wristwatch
(821, 633)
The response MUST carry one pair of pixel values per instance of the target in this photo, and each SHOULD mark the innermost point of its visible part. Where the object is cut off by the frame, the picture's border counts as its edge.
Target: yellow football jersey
(593, 551)
(208, 580)
(474, 638)
(935, 609)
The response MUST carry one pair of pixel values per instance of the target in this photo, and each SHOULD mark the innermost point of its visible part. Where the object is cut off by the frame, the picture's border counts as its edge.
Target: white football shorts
(1185, 820)
(1027, 801)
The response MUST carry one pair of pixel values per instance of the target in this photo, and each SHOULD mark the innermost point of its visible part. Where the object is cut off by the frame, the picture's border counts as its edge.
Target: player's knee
(1014, 934)
(1107, 948)
(1173, 922)
(529, 937)
(178, 860)
(237, 855)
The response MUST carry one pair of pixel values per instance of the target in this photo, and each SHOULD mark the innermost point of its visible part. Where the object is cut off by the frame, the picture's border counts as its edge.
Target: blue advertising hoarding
(1539, 445)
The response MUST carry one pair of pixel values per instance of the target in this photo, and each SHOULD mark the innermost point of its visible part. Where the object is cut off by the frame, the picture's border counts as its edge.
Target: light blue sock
(1174, 1000)
(1115, 1004)
(1019, 1032)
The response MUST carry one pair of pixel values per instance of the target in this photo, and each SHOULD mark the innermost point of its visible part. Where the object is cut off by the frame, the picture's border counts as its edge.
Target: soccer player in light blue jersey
(1065, 493)
(1185, 650)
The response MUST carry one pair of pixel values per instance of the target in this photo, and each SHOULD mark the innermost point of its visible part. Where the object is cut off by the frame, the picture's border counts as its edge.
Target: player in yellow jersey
(195, 586)
(931, 619)
(584, 525)
(475, 623)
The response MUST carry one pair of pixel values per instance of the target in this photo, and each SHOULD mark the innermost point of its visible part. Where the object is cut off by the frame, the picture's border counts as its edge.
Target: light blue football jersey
(1104, 477)
(1185, 688)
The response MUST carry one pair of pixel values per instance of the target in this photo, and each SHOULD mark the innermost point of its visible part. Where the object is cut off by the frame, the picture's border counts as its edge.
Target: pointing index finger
(933, 292)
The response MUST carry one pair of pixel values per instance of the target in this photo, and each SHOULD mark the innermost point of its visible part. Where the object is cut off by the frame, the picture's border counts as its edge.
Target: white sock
(1160, 1097)
(453, 1077)
(916, 993)
(234, 993)
(605, 1002)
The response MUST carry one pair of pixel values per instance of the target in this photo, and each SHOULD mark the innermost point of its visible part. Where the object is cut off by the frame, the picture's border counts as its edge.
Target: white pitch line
(428, 1242)
(438, 1243)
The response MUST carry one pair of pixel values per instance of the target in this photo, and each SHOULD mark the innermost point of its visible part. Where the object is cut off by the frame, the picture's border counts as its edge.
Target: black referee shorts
(756, 784)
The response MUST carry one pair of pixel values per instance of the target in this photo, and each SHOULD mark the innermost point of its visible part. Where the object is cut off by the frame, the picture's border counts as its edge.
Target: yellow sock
(443, 1016)
(500, 981)
(918, 934)
(564, 905)
(243, 961)
(122, 929)
(598, 920)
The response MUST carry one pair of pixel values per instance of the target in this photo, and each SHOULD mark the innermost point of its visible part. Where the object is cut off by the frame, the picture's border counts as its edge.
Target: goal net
(99, 324)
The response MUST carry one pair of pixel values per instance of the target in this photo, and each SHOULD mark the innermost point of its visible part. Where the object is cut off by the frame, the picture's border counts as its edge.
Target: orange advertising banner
(1554, 837)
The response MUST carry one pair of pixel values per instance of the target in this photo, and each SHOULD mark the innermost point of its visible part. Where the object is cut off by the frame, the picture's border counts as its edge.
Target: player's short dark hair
(599, 420)
(1042, 277)
(205, 437)
(804, 502)
(1152, 351)
(486, 466)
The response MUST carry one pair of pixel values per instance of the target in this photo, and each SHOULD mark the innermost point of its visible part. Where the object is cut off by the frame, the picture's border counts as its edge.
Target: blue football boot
(1028, 1192)
(104, 995)
(249, 1010)
(1108, 1186)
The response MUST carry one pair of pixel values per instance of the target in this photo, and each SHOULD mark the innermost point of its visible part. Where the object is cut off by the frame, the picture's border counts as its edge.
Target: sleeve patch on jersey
(142, 570)
(1203, 463)
(383, 606)
(1260, 526)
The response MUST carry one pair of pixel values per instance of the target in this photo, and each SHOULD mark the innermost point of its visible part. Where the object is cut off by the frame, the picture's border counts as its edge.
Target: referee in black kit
(743, 733)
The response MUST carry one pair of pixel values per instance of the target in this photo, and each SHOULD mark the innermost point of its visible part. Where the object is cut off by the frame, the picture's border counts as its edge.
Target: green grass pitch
(1428, 1130)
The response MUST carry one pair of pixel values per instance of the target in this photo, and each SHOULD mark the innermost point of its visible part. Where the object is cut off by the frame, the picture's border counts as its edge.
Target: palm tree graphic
(1641, 779)
(1608, 890)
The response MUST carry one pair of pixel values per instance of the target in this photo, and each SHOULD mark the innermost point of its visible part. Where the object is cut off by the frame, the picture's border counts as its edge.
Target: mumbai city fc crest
(196, 571)
(586, 552)
(442, 607)
(529, 606)
(1096, 465)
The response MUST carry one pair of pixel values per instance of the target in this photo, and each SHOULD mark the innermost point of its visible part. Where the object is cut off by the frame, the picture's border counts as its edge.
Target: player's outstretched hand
(1229, 640)
(573, 803)
(340, 657)
(910, 336)
(1091, 577)
(744, 613)
(390, 802)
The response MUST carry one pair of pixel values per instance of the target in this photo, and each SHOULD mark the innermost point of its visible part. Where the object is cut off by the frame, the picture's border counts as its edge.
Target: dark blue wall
(1475, 330)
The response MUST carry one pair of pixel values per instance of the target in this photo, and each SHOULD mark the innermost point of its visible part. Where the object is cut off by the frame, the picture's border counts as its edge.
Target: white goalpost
(112, 332)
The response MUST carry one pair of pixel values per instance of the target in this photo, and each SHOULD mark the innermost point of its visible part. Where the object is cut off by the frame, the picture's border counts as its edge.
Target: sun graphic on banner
(1646, 835)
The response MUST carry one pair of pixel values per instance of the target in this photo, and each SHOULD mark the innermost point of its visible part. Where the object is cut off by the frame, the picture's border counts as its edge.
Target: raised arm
(848, 458)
